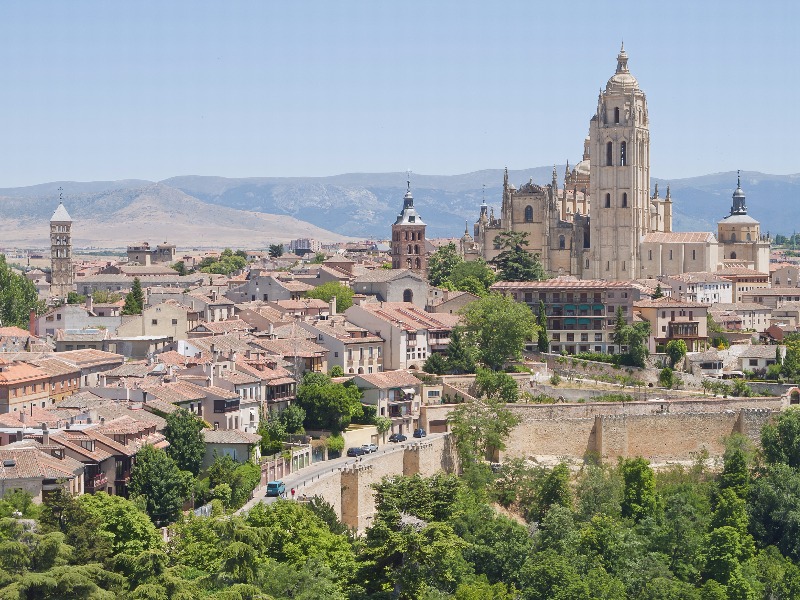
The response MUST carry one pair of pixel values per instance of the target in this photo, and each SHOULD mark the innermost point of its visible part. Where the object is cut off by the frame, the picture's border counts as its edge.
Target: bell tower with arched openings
(620, 177)
(408, 237)
(61, 276)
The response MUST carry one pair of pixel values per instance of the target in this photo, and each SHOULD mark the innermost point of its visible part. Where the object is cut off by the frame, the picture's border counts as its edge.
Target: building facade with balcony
(395, 395)
(580, 314)
(672, 319)
(355, 349)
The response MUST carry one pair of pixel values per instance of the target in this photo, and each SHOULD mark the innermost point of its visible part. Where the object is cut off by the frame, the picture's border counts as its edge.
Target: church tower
(408, 238)
(620, 177)
(61, 276)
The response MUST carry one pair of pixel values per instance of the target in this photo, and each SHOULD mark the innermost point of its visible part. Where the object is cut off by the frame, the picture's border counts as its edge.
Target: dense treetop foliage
(17, 297)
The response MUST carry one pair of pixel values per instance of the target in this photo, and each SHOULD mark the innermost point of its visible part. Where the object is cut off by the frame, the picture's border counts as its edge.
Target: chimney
(214, 295)
(216, 427)
(45, 435)
(333, 306)
(89, 303)
(23, 416)
(102, 420)
(32, 322)
(19, 435)
(270, 330)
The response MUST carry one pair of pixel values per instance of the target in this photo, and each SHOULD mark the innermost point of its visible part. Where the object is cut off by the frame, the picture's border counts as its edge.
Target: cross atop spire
(622, 60)
(738, 178)
(60, 194)
(408, 180)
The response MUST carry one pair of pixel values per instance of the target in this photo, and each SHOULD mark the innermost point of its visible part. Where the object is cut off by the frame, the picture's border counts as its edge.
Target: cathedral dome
(622, 78)
(583, 167)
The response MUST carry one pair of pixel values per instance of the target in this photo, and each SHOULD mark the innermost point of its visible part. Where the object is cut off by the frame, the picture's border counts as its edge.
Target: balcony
(226, 406)
(122, 477)
(96, 484)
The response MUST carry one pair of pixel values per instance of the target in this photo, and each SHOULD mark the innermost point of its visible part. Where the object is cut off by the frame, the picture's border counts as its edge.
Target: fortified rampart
(349, 489)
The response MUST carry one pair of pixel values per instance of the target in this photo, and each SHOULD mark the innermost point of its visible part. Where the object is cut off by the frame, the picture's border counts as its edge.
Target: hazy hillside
(120, 213)
(202, 211)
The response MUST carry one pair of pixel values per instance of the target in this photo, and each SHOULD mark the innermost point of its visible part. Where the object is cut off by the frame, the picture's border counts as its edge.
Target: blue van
(276, 488)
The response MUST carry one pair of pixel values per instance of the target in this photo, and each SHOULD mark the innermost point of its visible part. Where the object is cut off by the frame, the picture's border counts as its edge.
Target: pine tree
(134, 301)
(460, 358)
(659, 293)
(543, 341)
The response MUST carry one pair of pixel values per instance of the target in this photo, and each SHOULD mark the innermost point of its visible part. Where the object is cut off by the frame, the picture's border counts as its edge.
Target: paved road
(313, 472)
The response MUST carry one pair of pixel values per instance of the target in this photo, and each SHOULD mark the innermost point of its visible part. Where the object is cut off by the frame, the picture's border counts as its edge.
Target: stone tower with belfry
(61, 274)
(408, 237)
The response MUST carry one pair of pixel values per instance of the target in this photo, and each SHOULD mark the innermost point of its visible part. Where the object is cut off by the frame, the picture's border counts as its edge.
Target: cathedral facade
(604, 222)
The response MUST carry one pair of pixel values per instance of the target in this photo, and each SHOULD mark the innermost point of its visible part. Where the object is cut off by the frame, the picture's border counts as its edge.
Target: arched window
(733, 236)
(406, 236)
(624, 198)
(616, 115)
(408, 296)
(587, 263)
(419, 264)
(562, 242)
(623, 148)
(749, 238)
(528, 214)
(409, 249)
(586, 241)
(609, 154)
(608, 200)
(360, 370)
(409, 264)
(733, 254)
(416, 249)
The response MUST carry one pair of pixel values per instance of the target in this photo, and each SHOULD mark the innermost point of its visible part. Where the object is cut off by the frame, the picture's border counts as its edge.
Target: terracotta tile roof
(15, 332)
(33, 415)
(175, 359)
(72, 440)
(738, 306)
(220, 327)
(560, 283)
(20, 372)
(773, 292)
(389, 379)
(741, 271)
(292, 347)
(383, 275)
(680, 237)
(759, 352)
(667, 302)
(133, 369)
(408, 316)
(90, 357)
(57, 368)
(699, 277)
(303, 303)
(30, 462)
(230, 436)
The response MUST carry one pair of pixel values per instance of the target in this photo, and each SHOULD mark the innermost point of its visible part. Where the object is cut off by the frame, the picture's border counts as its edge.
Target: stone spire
(622, 60)
(738, 207)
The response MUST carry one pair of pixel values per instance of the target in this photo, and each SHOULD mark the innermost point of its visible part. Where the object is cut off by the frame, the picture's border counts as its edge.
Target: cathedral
(604, 222)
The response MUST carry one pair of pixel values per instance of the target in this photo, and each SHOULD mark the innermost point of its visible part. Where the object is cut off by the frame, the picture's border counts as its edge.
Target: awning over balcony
(408, 390)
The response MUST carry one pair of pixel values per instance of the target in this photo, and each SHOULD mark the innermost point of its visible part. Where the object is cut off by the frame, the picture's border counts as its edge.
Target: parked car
(356, 451)
(397, 437)
(368, 448)
(419, 433)
(276, 488)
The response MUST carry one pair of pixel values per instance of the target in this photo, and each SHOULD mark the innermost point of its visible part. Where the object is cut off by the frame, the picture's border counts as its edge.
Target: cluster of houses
(85, 386)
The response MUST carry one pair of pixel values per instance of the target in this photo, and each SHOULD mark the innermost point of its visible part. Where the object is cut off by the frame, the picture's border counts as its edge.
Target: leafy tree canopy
(326, 291)
(515, 263)
(18, 297)
(184, 432)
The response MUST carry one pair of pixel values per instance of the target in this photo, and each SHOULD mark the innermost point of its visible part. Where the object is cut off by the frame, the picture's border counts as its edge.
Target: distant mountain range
(196, 211)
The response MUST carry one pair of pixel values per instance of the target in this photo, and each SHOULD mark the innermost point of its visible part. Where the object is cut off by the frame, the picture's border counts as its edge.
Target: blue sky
(116, 90)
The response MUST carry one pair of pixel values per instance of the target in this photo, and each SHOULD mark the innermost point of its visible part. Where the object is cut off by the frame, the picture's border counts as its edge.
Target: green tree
(441, 264)
(555, 491)
(666, 378)
(781, 442)
(735, 474)
(105, 297)
(460, 355)
(275, 250)
(620, 332)
(134, 301)
(157, 478)
(496, 386)
(772, 505)
(319, 258)
(543, 341)
(336, 371)
(75, 298)
(82, 530)
(473, 276)
(184, 432)
(330, 406)
(435, 364)
(18, 297)
(639, 496)
(273, 435)
(180, 267)
(480, 428)
(499, 327)
(514, 262)
(292, 418)
(131, 531)
(326, 291)
(676, 350)
(659, 293)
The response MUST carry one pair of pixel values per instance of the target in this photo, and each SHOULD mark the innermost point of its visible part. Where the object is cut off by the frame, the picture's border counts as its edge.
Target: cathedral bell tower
(620, 177)
(408, 237)
(61, 276)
